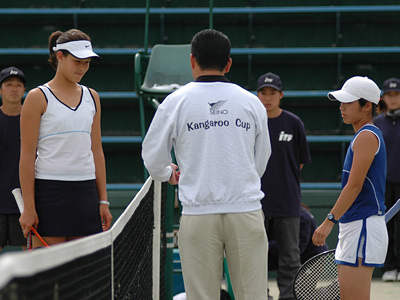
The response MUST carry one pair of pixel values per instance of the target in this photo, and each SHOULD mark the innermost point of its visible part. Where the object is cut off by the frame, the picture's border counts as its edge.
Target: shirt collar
(211, 78)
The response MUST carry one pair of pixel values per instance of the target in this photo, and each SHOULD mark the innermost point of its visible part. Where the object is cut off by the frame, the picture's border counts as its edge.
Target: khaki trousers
(204, 239)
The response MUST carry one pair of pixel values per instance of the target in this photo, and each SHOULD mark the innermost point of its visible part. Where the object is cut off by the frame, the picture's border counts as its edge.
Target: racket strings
(318, 279)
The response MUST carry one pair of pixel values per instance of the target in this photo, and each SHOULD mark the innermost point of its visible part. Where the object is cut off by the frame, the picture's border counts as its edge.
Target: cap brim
(342, 96)
(85, 54)
(391, 90)
(23, 79)
(270, 85)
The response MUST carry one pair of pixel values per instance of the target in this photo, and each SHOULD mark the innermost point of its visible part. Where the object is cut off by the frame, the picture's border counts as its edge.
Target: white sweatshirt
(220, 136)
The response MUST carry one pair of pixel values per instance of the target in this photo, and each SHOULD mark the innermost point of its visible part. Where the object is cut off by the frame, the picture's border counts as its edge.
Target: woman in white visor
(360, 208)
(62, 166)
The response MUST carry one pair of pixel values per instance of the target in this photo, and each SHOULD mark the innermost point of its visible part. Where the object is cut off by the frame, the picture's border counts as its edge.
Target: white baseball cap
(355, 88)
(80, 49)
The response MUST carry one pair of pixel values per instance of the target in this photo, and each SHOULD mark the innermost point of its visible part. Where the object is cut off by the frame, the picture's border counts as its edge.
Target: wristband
(104, 202)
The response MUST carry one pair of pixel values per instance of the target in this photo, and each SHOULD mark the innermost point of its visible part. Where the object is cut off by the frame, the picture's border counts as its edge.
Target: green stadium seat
(168, 69)
(165, 70)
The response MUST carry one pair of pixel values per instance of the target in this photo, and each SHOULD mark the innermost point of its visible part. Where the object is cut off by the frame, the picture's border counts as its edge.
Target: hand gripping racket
(317, 278)
(20, 203)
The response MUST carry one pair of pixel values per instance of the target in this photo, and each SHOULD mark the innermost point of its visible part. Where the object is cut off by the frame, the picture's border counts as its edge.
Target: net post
(169, 234)
(156, 239)
(112, 267)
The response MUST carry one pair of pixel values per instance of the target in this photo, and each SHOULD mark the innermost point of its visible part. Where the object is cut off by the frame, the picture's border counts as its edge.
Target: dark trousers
(285, 230)
(392, 261)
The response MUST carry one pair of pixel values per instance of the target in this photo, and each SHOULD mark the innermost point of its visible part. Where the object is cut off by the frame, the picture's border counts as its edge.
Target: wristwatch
(331, 218)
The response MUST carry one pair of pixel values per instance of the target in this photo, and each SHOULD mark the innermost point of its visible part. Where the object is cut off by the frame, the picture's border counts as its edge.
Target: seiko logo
(268, 79)
(214, 108)
(392, 85)
(285, 137)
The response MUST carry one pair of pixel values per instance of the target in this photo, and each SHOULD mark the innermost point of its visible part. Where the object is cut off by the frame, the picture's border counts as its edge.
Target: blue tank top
(371, 200)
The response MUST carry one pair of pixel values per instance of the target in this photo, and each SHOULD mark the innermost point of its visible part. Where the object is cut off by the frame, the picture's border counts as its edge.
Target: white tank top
(64, 145)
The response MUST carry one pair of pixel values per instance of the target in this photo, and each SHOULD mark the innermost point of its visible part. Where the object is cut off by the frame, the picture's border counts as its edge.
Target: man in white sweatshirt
(220, 136)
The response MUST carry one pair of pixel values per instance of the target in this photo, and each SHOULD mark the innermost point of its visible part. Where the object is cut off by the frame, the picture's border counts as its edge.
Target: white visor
(80, 49)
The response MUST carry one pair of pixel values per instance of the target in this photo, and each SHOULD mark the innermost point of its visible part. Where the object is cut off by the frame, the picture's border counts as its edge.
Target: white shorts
(367, 239)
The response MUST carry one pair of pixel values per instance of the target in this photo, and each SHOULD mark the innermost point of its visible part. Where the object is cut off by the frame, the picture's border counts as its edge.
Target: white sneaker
(390, 276)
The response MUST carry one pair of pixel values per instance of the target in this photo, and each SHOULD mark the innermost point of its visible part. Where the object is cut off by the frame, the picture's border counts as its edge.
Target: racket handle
(18, 198)
(392, 211)
(20, 202)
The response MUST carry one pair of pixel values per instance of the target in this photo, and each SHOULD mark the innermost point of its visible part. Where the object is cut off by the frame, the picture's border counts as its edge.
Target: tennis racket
(20, 203)
(317, 278)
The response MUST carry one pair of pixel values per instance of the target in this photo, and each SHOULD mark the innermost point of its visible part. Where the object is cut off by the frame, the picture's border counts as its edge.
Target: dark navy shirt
(281, 181)
(10, 143)
(390, 127)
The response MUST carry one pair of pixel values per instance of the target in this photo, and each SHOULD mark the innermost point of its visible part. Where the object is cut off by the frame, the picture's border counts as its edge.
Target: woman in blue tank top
(360, 207)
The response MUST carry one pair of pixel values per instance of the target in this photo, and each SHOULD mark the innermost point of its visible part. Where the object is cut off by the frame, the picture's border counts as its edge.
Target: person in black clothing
(281, 181)
(12, 88)
(307, 248)
(389, 123)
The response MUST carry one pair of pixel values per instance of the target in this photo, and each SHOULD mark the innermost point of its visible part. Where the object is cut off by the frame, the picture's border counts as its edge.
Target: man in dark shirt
(281, 181)
(389, 124)
(12, 88)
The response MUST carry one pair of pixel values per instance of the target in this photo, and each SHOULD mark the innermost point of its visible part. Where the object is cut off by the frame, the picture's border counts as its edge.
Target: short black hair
(376, 109)
(212, 49)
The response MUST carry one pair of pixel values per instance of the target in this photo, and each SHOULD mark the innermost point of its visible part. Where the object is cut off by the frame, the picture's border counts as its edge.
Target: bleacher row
(313, 47)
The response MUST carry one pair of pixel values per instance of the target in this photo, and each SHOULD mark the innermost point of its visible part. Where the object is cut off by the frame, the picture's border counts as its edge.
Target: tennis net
(121, 263)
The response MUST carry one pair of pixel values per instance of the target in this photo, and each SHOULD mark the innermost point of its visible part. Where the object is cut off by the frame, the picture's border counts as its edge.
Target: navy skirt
(67, 208)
